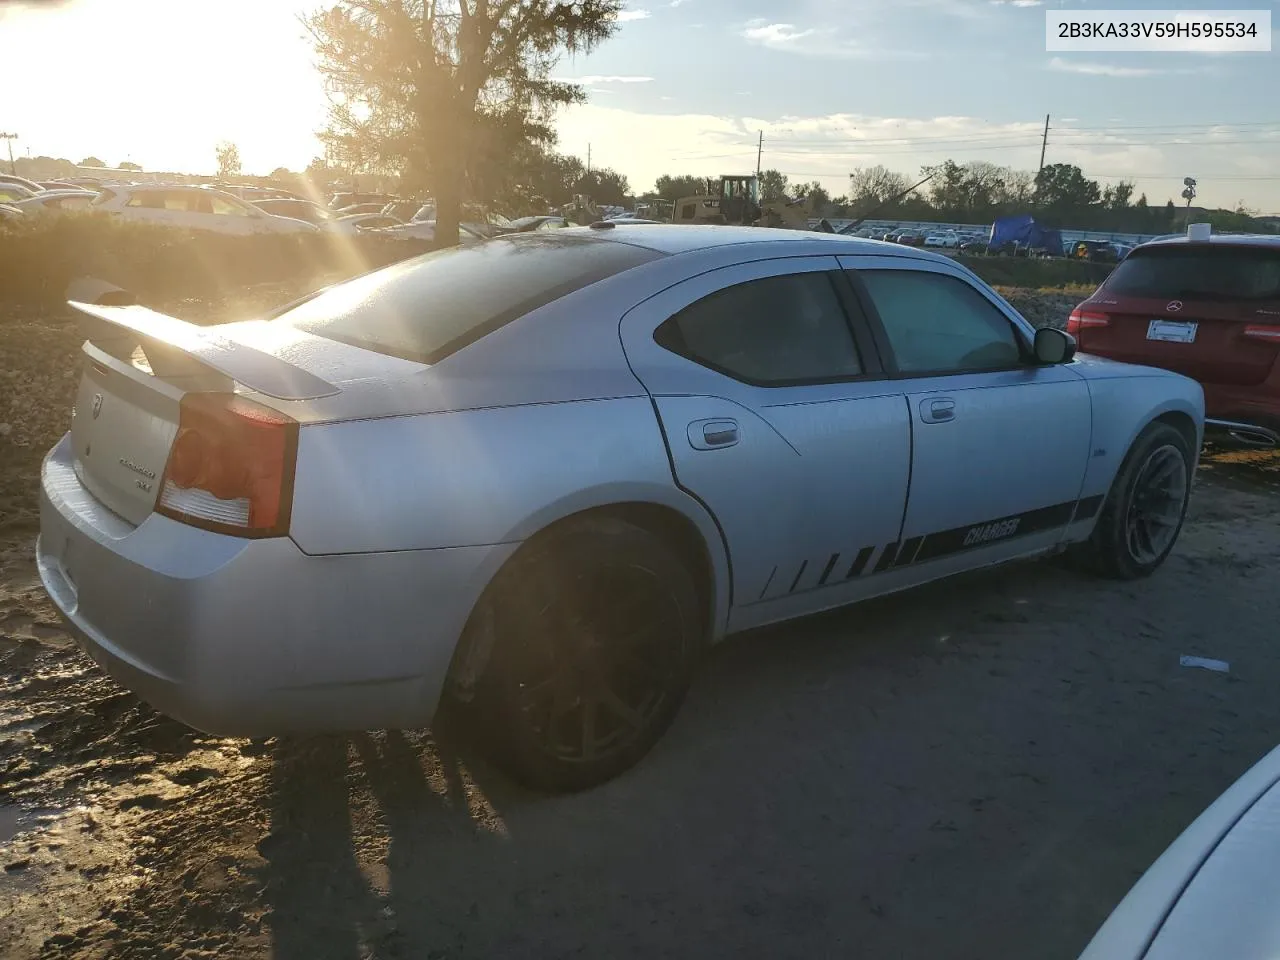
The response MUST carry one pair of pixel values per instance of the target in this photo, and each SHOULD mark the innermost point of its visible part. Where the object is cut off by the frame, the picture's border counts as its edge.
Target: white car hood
(1231, 908)
(1213, 892)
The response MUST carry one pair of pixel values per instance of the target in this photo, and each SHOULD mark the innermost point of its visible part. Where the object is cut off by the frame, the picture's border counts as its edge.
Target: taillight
(230, 468)
(1262, 331)
(1082, 319)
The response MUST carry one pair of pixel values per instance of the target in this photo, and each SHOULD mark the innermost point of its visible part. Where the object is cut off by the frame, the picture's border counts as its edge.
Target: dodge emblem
(97, 405)
(1174, 306)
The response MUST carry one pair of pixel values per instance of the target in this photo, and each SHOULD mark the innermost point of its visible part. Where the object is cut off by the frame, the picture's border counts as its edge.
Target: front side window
(772, 331)
(940, 324)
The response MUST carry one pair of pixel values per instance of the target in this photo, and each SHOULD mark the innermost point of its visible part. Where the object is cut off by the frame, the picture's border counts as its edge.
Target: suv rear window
(1204, 272)
(431, 306)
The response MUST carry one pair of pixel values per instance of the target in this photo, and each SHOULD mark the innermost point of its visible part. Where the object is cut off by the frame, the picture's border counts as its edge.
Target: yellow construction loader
(735, 199)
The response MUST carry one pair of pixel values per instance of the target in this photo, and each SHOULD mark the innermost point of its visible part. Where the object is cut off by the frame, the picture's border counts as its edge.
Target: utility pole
(13, 167)
(1044, 142)
(588, 159)
(759, 153)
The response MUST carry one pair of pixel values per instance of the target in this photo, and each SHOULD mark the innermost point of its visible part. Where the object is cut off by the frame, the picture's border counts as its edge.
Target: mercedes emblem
(1173, 307)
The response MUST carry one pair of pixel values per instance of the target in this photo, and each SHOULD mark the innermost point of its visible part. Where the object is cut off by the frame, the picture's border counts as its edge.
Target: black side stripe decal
(921, 549)
(860, 562)
(886, 559)
(908, 552)
(799, 574)
(826, 572)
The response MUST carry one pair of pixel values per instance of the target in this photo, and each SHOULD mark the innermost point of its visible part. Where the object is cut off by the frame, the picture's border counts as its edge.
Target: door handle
(713, 434)
(937, 410)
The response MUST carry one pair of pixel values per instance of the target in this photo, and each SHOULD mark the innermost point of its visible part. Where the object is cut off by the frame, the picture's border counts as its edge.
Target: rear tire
(1145, 509)
(596, 632)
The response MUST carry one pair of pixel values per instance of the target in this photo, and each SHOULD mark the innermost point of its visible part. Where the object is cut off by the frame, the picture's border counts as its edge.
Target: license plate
(1174, 331)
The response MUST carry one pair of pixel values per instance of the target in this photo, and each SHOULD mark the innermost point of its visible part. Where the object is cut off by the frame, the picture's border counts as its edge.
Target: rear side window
(1205, 272)
(431, 306)
(772, 331)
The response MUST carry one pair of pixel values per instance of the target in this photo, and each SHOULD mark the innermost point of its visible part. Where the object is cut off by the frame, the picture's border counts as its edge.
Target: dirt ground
(977, 769)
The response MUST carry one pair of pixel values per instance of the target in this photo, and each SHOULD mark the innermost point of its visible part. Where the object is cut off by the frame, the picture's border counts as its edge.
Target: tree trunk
(448, 197)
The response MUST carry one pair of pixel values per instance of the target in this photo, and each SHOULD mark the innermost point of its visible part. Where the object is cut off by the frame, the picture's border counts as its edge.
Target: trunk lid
(138, 366)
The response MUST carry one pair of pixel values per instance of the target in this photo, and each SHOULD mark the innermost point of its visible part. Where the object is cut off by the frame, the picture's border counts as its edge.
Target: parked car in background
(911, 239)
(54, 201)
(296, 210)
(196, 208)
(1095, 251)
(13, 179)
(973, 245)
(11, 191)
(357, 208)
(1122, 250)
(62, 185)
(426, 230)
(403, 210)
(540, 475)
(360, 223)
(947, 240)
(1208, 309)
(527, 224)
(345, 199)
(1213, 892)
(9, 212)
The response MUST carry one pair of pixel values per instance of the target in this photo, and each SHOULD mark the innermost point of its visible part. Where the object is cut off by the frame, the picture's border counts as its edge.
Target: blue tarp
(1024, 231)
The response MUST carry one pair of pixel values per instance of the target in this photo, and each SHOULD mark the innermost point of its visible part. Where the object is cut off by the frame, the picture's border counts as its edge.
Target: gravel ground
(978, 769)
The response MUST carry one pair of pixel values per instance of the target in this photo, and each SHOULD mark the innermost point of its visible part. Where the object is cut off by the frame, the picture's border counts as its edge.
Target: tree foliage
(773, 186)
(673, 188)
(91, 161)
(454, 95)
(129, 165)
(228, 157)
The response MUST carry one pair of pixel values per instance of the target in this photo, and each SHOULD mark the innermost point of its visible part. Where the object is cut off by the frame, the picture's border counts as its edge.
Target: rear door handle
(937, 410)
(713, 434)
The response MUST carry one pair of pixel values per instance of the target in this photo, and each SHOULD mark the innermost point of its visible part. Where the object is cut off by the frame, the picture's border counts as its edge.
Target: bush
(41, 256)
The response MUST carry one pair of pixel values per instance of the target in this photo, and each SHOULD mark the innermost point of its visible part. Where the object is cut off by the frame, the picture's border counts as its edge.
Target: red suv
(1208, 309)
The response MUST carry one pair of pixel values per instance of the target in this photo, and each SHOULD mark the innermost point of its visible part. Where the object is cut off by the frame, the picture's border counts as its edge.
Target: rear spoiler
(112, 327)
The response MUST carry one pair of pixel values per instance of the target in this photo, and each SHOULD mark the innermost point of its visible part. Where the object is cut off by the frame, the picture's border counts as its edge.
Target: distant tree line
(980, 192)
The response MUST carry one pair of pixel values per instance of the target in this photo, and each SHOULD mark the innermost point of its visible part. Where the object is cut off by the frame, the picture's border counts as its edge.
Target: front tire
(1144, 512)
(597, 629)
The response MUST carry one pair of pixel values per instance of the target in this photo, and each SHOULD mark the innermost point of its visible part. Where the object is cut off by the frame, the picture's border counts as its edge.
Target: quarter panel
(467, 477)
(1123, 406)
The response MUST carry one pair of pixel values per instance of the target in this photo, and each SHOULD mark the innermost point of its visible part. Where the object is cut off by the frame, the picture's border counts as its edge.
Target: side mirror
(1054, 346)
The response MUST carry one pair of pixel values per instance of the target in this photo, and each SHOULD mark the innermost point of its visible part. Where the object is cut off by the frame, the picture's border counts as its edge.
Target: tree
(773, 186)
(1062, 187)
(604, 186)
(675, 188)
(91, 161)
(228, 155)
(442, 91)
(281, 173)
(129, 165)
(872, 186)
(1118, 195)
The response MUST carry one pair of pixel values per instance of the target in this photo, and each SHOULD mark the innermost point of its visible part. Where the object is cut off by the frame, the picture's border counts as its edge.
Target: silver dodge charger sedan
(541, 474)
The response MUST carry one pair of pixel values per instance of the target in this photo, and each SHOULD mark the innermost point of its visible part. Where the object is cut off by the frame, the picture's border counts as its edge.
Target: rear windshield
(1199, 273)
(431, 306)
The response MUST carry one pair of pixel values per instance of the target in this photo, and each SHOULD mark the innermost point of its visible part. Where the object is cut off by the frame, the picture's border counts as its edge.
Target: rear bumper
(1244, 407)
(253, 637)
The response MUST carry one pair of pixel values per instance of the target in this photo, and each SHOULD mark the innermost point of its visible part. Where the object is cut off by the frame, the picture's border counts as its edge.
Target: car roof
(684, 238)
(1220, 239)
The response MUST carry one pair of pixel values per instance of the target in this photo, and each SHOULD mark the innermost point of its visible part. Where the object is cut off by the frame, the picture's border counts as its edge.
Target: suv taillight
(1263, 331)
(230, 469)
(1082, 319)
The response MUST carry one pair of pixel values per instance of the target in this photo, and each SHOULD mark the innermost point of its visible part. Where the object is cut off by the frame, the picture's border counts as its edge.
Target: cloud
(626, 16)
(1017, 3)
(604, 78)
(677, 3)
(1099, 69)
(818, 42)
(778, 36)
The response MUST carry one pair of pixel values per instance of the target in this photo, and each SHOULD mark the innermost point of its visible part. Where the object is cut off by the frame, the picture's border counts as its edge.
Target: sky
(685, 86)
